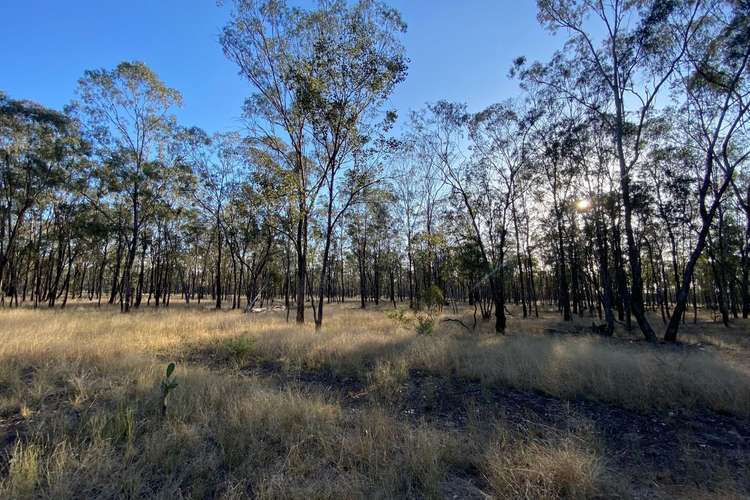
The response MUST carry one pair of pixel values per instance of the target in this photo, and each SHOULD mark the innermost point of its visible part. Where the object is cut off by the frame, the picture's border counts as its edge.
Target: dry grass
(630, 374)
(79, 388)
(95, 432)
(567, 466)
(634, 376)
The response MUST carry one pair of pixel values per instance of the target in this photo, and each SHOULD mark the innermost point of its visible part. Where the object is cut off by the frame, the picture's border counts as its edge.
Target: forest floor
(366, 408)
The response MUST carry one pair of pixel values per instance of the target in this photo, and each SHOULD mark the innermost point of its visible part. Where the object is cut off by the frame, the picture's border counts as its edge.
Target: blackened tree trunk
(564, 297)
(139, 290)
(218, 257)
(519, 256)
(301, 247)
(606, 282)
(118, 263)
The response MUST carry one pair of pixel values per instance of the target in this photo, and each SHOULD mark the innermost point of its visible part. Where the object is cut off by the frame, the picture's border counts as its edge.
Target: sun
(583, 204)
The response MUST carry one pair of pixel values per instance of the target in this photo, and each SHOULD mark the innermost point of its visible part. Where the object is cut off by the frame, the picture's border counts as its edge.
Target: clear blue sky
(460, 50)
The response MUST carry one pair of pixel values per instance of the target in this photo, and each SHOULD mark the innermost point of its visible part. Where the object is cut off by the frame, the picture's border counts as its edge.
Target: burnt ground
(677, 447)
(660, 454)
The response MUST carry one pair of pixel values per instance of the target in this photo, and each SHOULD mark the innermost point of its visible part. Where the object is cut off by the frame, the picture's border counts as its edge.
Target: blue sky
(460, 50)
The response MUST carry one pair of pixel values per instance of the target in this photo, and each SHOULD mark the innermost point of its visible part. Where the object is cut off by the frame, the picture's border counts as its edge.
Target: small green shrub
(400, 317)
(425, 324)
(238, 349)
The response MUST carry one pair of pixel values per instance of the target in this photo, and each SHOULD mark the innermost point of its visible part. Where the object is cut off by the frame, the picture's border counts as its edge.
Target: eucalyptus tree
(251, 236)
(355, 185)
(367, 224)
(74, 225)
(409, 199)
(386, 255)
(443, 134)
(217, 164)
(317, 76)
(620, 56)
(600, 199)
(501, 138)
(741, 189)
(127, 113)
(269, 43)
(716, 85)
(558, 158)
(667, 165)
(357, 61)
(38, 149)
(421, 178)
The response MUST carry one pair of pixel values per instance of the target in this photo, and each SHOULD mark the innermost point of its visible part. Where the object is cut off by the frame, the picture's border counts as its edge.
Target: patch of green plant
(238, 350)
(120, 426)
(425, 324)
(400, 317)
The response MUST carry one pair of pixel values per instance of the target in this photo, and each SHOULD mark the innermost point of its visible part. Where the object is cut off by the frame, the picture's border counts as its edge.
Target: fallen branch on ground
(448, 320)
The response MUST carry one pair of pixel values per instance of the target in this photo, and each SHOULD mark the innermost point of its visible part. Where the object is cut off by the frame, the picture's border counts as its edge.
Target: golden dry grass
(559, 467)
(79, 406)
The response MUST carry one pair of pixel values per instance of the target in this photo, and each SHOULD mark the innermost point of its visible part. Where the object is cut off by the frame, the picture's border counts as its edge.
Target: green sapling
(167, 385)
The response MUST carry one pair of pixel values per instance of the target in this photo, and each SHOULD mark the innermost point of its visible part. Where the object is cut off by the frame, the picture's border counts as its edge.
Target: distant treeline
(615, 183)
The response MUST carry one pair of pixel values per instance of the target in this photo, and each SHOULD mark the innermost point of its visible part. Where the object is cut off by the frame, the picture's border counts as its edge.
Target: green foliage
(400, 317)
(238, 349)
(425, 324)
(321, 73)
(120, 426)
(433, 299)
(126, 113)
(41, 150)
(167, 386)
